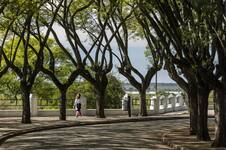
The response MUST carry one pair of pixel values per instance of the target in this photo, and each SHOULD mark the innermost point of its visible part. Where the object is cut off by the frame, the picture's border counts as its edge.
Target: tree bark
(100, 102)
(143, 107)
(26, 114)
(202, 126)
(193, 110)
(220, 129)
(63, 104)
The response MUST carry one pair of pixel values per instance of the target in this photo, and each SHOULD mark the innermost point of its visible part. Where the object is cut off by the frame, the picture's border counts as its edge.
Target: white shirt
(77, 101)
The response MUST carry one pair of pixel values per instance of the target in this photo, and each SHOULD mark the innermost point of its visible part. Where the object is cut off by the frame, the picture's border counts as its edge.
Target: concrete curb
(11, 134)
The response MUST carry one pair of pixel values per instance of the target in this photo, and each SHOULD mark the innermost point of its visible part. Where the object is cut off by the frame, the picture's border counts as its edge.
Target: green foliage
(56, 61)
(44, 89)
(10, 86)
(114, 93)
(11, 50)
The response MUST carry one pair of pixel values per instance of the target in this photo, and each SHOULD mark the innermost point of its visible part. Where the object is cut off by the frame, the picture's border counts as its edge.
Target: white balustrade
(154, 104)
(171, 102)
(33, 105)
(163, 103)
(84, 104)
(158, 105)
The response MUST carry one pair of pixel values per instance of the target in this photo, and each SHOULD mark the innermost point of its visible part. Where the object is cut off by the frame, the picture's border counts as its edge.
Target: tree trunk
(202, 126)
(26, 114)
(220, 129)
(143, 107)
(63, 104)
(100, 102)
(193, 110)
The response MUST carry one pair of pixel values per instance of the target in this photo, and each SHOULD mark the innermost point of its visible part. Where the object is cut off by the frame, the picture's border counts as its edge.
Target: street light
(156, 83)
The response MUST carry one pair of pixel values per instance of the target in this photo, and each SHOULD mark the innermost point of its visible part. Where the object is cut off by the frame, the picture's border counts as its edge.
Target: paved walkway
(133, 136)
(165, 127)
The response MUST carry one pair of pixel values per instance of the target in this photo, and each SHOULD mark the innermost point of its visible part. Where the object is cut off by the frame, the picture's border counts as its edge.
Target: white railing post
(33, 105)
(171, 100)
(179, 102)
(124, 102)
(152, 102)
(84, 105)
(163, 103)
(154, 105)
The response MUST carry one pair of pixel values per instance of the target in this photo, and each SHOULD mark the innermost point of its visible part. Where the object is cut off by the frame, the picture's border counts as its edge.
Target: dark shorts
(78, 107)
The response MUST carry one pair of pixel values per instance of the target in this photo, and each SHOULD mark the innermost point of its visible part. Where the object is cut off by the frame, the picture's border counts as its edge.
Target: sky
(136, 53)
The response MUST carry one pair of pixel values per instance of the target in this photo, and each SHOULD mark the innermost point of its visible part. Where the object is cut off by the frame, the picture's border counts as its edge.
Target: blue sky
(140, 62)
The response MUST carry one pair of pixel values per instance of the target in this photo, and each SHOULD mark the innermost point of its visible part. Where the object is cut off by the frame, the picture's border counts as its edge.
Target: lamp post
(156, 83)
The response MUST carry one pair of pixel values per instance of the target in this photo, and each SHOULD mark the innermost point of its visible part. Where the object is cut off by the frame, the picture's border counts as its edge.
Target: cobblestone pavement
(133, 135)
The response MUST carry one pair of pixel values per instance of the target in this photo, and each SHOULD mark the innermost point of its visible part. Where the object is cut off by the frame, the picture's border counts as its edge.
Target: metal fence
(53, 103)
(16, 104)
(136, 103)
(8, 104)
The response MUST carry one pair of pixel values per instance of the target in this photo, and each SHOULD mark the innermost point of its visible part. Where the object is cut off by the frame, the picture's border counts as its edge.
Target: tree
(217, 78)
(172, 21)
(57, 67)
(3, 66)
(139, 81)
(93, 57)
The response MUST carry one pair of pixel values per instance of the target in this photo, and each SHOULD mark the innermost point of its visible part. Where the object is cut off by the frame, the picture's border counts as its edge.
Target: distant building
(160, 87)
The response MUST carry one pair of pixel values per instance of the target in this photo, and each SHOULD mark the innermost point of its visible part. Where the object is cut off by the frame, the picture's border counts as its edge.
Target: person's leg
(76, 113)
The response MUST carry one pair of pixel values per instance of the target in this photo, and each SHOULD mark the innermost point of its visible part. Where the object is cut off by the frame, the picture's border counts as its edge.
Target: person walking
(78, 105)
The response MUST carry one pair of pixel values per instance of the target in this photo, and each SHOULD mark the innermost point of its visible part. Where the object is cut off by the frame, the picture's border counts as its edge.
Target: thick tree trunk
(193, 110)
(220, 127)
(202, 126)
(26, 114)
(100, 102)
(63, 104)
(143, 107)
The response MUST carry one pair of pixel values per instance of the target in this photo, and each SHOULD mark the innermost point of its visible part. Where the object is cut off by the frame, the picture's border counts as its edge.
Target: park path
(89, 132)
(131, 135)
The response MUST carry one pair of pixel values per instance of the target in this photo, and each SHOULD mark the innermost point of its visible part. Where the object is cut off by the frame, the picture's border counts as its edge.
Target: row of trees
(192, 37)
(186, 37)
(27, 31)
